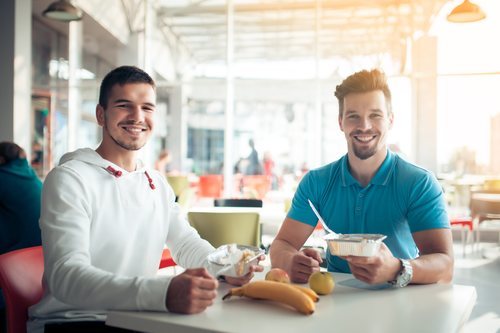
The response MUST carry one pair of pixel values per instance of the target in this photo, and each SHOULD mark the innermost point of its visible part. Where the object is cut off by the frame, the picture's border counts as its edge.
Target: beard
(131, 145)
(364, 153)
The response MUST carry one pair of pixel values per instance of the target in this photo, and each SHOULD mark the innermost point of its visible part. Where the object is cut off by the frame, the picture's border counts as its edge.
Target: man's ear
(340, 122)
(391, 120)
(99, 114)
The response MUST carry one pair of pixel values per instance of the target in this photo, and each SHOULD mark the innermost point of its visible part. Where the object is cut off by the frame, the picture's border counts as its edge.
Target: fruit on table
(309, 292)
(275, 291)
(321, 282)
(278, 275)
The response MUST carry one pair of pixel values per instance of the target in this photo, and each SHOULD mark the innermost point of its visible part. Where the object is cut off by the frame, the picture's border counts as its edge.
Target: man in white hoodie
(105, 219)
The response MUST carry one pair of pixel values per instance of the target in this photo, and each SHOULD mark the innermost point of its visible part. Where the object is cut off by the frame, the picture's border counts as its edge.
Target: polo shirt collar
(381, 177)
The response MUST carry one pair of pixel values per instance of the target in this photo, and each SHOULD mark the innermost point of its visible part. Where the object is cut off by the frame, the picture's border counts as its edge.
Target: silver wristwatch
(404, 276)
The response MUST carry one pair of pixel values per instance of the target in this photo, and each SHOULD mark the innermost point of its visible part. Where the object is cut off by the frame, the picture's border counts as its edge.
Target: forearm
(432, 268)
(281, 254)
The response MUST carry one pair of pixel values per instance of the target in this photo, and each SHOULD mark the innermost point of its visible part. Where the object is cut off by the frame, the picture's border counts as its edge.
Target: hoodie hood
(90, 156)
(18, 167)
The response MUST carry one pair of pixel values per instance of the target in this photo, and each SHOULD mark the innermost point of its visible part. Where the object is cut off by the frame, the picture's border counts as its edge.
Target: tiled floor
(481, 269)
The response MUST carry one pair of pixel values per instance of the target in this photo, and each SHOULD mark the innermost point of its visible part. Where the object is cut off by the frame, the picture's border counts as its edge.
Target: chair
(210, 186)
(485, 210)
(466, 225)
(220, 228)
(178, 183)
(21, 282)
(260, 183)
(238, 203)
(186, 198)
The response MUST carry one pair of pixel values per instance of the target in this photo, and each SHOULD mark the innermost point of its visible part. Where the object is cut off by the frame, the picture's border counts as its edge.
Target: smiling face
(127, 120)
(365, 122)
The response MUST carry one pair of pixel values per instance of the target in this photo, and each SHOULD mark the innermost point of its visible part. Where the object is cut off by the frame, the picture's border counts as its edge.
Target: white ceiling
(287, 29)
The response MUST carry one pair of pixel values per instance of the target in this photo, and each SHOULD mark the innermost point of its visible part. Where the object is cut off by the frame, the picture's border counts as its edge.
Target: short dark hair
(122, 75)
(361, 82)
(10, 151)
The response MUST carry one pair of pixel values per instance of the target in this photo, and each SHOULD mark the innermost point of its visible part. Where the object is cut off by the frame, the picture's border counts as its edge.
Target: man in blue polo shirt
(370, 190)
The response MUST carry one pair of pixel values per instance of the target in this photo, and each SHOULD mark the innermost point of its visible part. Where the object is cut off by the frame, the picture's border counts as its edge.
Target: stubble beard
(133, 146)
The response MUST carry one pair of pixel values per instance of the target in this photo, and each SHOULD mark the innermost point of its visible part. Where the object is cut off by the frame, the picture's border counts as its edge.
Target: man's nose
(136, 113)
(365, 123)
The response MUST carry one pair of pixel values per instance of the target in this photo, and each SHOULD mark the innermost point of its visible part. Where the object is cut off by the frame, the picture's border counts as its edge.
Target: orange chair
(210, 186)
(260, 183)
(21, 282)
(166, 259)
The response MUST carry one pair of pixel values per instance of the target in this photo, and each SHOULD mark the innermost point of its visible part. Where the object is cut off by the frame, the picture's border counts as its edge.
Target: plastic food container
(363, 245)
(233, 260)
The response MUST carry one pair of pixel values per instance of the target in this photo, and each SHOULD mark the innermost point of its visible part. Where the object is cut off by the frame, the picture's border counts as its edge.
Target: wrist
(404, 275)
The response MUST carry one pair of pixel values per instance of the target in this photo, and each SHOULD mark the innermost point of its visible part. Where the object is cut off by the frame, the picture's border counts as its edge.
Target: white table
(350, 308)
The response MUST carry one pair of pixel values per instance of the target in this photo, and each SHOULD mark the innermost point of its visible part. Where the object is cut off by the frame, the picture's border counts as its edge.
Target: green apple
(321, 282)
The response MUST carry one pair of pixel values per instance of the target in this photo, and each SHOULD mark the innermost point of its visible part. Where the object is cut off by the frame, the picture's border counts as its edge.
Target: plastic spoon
(321, 220)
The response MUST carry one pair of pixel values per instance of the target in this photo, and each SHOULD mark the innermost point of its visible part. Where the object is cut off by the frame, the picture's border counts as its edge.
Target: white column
(74, 93)
(317, 121)
(177, 134)
(424, 87)
(229, 116)
(15, 66)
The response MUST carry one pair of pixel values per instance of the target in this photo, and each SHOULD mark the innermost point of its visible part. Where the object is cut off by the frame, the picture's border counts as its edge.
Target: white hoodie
(103, 231)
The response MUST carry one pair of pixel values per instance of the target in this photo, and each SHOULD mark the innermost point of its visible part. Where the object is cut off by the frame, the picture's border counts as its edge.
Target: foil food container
(233, 260)
(363, 245)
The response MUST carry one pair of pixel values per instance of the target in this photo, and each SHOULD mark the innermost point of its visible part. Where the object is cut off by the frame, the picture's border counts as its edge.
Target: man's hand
(192, 291)
(381, 267)
(304, 263)
(239, 281)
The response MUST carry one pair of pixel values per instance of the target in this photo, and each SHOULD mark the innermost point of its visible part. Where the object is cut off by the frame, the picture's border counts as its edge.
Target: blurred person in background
(253, 163)
(20, 192)
(162, 164)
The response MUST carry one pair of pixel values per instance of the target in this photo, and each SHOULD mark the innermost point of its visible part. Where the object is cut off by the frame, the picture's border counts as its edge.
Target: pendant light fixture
(466, 12)
(63, 10)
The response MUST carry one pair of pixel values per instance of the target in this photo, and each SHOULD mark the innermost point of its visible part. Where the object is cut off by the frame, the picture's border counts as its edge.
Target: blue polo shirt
(401, 198)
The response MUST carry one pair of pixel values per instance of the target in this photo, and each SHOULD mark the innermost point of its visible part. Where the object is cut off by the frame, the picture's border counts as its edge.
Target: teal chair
(220, 228)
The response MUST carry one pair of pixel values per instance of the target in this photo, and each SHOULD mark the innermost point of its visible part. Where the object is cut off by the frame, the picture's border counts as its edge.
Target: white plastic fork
(321, 220)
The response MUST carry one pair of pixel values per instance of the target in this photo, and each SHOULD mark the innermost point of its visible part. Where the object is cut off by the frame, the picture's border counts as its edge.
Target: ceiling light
(63, 10)
(466, 12)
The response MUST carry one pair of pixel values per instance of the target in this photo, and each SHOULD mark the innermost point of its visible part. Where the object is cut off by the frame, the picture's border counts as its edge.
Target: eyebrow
(128, 101)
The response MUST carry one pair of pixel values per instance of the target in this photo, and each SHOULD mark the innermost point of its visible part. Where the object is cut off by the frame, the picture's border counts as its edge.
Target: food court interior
(234, 72)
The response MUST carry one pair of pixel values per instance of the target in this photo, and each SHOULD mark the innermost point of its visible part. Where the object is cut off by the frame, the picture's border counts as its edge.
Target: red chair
(21, 282)
(166, 259)
(210, 186)
(466, 225)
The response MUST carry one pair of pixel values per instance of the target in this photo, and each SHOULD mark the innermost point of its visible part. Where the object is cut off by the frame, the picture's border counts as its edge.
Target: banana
(275, 291)
(308, 291)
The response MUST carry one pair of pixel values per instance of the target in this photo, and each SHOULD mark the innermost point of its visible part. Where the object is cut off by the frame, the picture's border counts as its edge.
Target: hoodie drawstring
(150, 181)
(118, 173)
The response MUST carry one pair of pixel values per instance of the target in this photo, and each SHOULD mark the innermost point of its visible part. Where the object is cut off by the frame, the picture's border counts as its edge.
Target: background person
(106, 218)
(20, 192)
(253, 163)
(370, 190)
